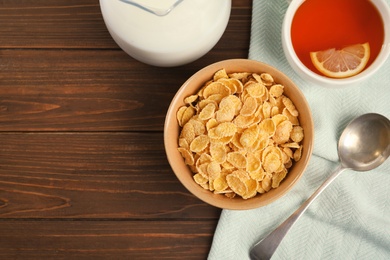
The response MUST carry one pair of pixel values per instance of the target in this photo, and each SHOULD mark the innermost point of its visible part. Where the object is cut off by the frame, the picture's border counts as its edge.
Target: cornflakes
(239, 134)
(199, 143)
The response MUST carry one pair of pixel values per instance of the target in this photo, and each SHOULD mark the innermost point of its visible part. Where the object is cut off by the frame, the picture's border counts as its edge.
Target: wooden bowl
(172, 131)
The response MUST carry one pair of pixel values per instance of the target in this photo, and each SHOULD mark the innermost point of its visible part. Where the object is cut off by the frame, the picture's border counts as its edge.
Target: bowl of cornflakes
(239, 134)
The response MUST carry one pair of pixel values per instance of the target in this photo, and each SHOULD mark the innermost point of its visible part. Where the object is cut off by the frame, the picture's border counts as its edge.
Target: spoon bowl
(363, 146)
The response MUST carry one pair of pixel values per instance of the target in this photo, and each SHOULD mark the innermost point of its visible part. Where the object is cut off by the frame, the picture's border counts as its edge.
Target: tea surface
(320, 25)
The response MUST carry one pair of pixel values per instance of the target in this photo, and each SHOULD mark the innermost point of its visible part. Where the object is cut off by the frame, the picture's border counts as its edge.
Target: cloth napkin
(351, 218)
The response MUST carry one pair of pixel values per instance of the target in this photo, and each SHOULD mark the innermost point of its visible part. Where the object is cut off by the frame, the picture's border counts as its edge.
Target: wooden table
(83, 170)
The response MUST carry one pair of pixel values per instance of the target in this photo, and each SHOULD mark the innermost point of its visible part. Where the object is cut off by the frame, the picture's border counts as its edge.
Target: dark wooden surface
(83, 171)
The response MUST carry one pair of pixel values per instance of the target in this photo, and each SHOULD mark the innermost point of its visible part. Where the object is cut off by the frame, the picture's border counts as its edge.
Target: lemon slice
(343, 63)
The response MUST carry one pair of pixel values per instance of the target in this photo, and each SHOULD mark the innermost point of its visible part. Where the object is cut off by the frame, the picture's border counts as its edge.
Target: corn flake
(199, 143)
(268, 126)
(249, 107)
(187, 155)
(249, 136)
(297, 134)
(282, 132)
(218, 152)
(236, 159)
(290, 106)
(207, 112)
(190, 99)
(199, 179)
(188, 133)
(240, 134)
(226, 112)
(223, 130)
(216, 88)
(188, 113)
(236, 185)
(220, 74)
(220, 184)
(278, 177)
(276, 90)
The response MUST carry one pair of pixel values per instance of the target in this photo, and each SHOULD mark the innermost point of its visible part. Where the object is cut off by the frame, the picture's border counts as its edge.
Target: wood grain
(101, 175)
(105, 239)
(53, 24)
(97, 89)
(83, 171)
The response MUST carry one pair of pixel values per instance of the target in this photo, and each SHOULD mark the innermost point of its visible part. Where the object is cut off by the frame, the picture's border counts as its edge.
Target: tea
(320, 25)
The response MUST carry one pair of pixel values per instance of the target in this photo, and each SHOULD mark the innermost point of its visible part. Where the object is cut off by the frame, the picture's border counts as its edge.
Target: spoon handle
(267, 246)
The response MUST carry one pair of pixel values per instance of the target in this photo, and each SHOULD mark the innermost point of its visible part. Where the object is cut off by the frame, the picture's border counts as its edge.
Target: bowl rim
(170, 144)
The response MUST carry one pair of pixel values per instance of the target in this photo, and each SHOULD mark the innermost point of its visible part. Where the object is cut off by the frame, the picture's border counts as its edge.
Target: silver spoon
(363, 146)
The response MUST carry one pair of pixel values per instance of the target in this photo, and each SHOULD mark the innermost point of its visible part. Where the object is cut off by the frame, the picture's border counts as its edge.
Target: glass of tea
(336, 43)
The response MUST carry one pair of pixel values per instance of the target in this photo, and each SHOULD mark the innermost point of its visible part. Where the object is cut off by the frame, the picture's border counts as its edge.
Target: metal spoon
(363, 146)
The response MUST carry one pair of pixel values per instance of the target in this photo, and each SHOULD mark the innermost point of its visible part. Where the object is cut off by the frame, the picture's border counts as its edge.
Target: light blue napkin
(351, 218)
